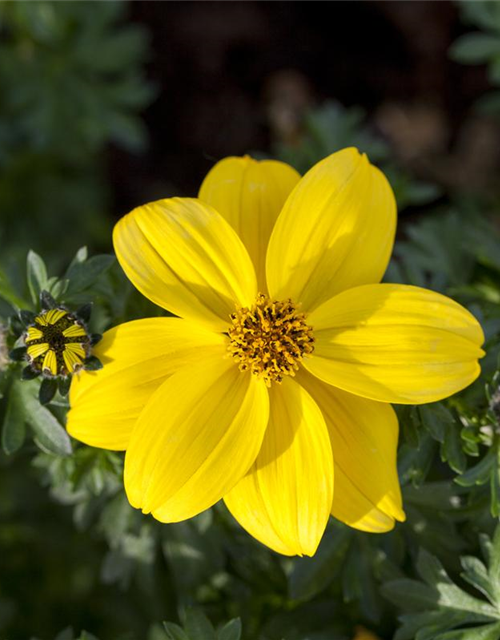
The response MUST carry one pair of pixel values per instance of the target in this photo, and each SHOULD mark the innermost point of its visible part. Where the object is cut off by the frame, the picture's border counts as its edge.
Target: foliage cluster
(72, 83)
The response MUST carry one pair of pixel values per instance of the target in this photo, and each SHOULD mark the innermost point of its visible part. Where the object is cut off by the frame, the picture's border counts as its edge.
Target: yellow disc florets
(270, 338)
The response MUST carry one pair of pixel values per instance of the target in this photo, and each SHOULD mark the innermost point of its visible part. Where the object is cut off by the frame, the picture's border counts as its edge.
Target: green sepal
(29, 373)
(47, 301)
(95, 338)
(64, 385)
(92, 364)
(47, 390)
(27, 317)
(18, 354)
(84, 312)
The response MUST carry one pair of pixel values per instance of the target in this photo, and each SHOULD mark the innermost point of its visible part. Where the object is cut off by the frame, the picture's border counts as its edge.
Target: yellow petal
(364, 437)
(73, 356)
(33, 334)
(38, 349)
(50, 362)
(76, 348)
(250, 195)
(181, 254)
(197, 436)
(73, 331)
(285, 500)
(137, 358)
(395, 343)
(336, 231)
(50, 317)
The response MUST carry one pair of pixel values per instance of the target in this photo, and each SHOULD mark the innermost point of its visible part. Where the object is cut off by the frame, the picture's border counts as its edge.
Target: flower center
(57, 343)
(270, 338)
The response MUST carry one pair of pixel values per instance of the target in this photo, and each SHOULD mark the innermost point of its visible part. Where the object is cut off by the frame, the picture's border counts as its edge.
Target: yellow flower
(284, 359)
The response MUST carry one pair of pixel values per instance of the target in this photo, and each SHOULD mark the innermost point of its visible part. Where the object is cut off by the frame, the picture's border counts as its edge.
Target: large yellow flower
(284, 359)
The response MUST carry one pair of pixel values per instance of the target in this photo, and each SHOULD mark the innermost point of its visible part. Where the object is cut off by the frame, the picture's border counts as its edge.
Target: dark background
(229, 74)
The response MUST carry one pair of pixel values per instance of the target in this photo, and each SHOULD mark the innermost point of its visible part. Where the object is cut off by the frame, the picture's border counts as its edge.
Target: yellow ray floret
(50, 317)
(74, 331)
(33, 334)
(36, 350)
(73, 355)
(50, 362)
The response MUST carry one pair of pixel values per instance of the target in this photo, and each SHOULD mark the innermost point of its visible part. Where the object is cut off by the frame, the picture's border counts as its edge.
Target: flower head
(54, 344)
(57, 343)
(285, 357)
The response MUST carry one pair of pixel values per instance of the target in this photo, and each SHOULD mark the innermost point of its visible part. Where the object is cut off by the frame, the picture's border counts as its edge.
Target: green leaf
(410, 595)
(443, 427)
(198, 626)
(495, 485)
(194, 550)
(13, 430)
(49, 434)
(432, 419)
(58, 289)
(80, 256)
(230, 631)
(481, 13)
(65, 634)
(494, 565)
(476, 574)
(174, 632)
(9, 295)
(480, 473)
(415, 463)
(358, 579)
(475, 48)
(438, 609)
(487, 632)
(309, 576)
(82, 275)
(432, 571)
(37, 276)
(85, 635)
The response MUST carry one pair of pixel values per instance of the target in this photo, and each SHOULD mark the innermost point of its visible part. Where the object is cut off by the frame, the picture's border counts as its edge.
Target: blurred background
(107, 105)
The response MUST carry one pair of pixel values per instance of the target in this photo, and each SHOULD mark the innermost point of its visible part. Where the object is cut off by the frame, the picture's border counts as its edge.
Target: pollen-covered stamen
(57, 343)
(270, 338)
